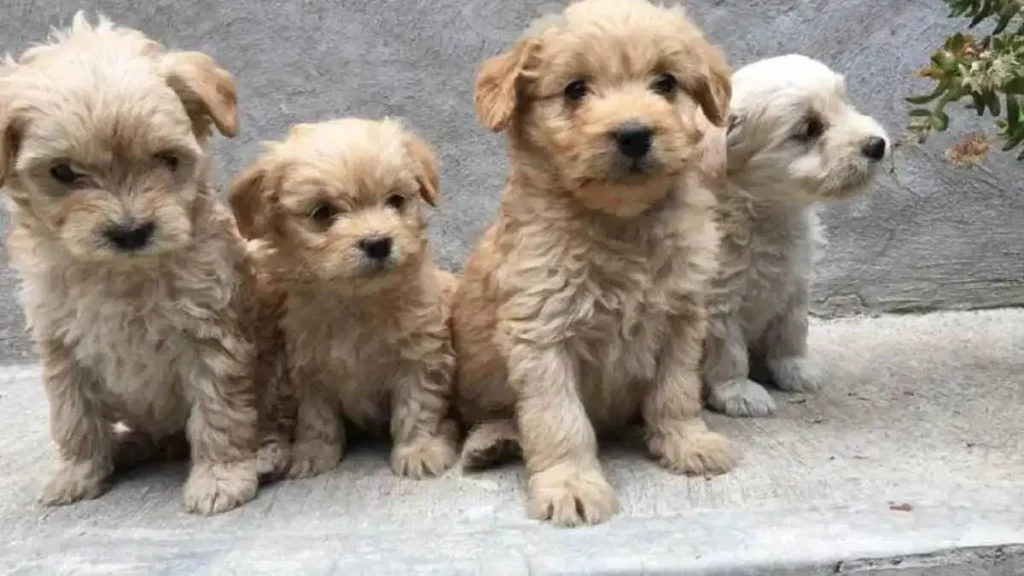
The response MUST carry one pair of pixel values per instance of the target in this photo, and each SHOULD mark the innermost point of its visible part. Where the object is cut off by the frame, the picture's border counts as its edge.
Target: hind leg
(726, 371)
(785, 349)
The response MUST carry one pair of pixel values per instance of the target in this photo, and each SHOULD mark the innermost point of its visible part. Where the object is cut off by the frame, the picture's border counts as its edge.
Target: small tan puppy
(135, 280)
(365, 315)
(795, 140)
(582, 307)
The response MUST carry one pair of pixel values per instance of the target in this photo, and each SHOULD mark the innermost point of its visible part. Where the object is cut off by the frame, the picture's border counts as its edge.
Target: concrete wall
(929, 237)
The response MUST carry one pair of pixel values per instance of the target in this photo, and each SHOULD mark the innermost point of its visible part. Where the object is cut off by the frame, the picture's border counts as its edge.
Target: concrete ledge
(909, 463)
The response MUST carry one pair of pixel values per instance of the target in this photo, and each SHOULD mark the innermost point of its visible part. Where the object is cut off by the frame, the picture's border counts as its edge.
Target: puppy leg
(84, 438)
(566, 484)
(319, 435)
(491, 443)
(222, 429)
(276, 419)
(424, 438)
(676, 433)
(726, 370)
(785, 345)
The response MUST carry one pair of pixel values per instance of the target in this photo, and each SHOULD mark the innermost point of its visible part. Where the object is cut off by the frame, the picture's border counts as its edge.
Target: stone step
(908, 462)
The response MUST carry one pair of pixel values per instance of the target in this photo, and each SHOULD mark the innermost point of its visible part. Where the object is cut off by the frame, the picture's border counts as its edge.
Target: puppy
(794, 140)
(365, 313)
(582, 307)
(135, 279)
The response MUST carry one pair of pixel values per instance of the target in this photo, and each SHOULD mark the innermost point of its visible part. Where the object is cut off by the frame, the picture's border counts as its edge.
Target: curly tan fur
(366, 337)
(582, 307)
(103, 132)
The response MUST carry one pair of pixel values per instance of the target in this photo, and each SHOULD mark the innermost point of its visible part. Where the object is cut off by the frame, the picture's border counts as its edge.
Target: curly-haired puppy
(135, 279)
(365, 313)
(794, 139)
(582, 307)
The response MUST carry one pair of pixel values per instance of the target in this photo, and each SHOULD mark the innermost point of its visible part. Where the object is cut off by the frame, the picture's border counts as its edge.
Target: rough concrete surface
(909, 463)
(929, 237)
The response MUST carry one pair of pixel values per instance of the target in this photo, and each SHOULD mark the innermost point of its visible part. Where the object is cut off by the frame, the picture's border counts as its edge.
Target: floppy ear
(8, 143)
(713, 152)
(496, 93)
(424, 166)
(737, 140)
(207, 90)
(248, 200)
(714, 87)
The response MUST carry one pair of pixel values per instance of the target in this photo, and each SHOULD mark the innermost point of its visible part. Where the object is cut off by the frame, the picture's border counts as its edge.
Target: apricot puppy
(583, 305)
(135, 279)
(365, 312)
(795, 140)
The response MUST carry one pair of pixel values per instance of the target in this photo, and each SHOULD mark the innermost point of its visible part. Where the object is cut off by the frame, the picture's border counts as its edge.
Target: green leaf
(985, 12)
(1015, 86)
(978, 105)
(920, 112)
(1012, 113)
(1004, 21)
(926, 98)
(940, 121)
(993, 103)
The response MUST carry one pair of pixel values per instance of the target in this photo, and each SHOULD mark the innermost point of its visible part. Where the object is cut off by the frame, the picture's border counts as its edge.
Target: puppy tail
(491, 443)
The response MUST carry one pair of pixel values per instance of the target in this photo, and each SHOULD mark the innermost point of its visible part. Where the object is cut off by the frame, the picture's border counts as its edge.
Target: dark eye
(169, 160)
(812, 130)
(323, 213)
(64, 174)
(665, 85)
(396, 201)
(576, 90)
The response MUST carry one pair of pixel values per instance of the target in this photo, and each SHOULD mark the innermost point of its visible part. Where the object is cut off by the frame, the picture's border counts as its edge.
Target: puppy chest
(139, 361)
(777, 265)
(617, 357)
(360, 372)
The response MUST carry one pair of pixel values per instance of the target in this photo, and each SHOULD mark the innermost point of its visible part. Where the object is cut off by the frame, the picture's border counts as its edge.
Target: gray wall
(929, 236)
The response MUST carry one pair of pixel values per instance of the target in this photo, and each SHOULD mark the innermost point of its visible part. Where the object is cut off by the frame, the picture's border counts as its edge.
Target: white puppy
(794, 139)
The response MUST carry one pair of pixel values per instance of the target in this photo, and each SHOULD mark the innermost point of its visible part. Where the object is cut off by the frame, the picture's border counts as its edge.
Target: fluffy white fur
(794, 139)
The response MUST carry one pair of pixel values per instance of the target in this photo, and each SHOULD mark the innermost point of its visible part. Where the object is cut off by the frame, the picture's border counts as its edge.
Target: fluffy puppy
(135, 279)
(582, 307)
(794, 140)
(365, 311)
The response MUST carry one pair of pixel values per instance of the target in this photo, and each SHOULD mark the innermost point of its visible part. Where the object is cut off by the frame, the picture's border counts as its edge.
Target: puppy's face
(795, 135)
(607, 95)
(102, 140)
(340, 201)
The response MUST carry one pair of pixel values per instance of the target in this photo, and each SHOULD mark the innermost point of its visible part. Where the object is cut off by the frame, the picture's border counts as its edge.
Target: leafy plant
(989, 70)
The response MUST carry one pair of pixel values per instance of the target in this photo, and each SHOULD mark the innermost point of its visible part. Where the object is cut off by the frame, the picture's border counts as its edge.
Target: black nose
(634, 140)
(874, 148)
(129, 237)
(376, 248)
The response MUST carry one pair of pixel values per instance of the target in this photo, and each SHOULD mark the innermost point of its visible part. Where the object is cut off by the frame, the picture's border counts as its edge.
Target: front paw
(74, 481)
(313, 458)
(570, 496)
(424, 456)
(740, 398)
(701, 453)
(795, 374)
(213, 488)
(272, 459)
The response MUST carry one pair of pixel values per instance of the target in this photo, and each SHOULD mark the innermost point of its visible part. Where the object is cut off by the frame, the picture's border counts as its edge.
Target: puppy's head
(606, 97)
(795, 135)
(101, 136)
(340, 201)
